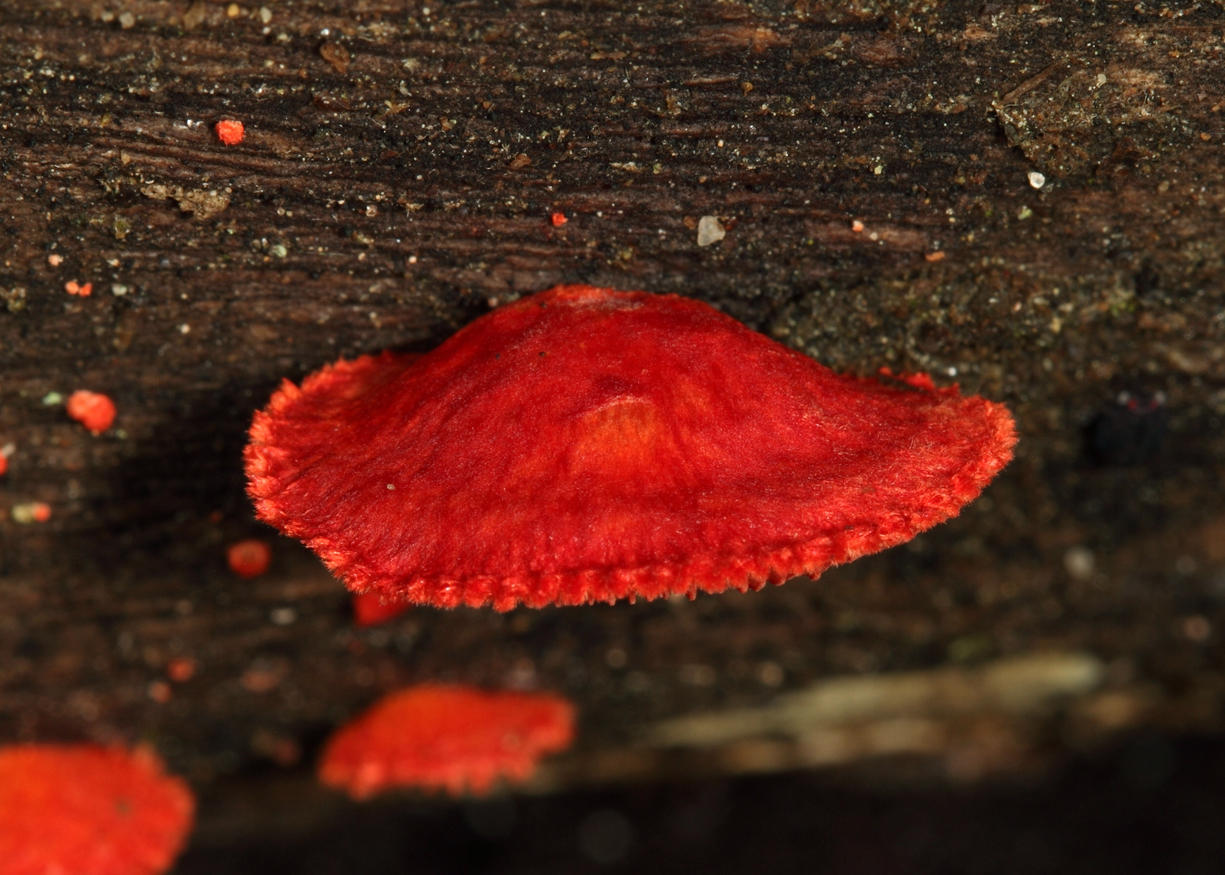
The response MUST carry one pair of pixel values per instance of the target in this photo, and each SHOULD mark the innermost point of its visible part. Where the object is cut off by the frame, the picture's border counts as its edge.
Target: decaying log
(1024, 199)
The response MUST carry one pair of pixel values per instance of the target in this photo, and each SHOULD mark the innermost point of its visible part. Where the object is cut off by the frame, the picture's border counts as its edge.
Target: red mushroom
(248, 558)
(88, 809)
(448, 738)
(587, 445)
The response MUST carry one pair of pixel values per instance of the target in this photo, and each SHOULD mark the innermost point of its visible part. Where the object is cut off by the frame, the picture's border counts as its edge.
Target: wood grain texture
(399, 169)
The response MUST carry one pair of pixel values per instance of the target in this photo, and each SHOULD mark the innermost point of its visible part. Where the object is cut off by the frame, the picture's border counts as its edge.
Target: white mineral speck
(1079, 562)
(710, 231)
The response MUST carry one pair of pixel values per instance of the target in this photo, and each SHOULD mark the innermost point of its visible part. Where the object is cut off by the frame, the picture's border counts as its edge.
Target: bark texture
(1025, 199)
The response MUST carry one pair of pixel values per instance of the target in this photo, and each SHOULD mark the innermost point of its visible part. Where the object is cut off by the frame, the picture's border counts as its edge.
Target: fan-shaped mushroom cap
(449, 738)
(587, 445)
(88, 809)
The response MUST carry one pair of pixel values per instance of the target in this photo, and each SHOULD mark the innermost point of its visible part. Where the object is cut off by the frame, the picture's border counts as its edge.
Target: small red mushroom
(93, 410)
(89, 810)
(586, 445)
(448, 738)
(249, 558)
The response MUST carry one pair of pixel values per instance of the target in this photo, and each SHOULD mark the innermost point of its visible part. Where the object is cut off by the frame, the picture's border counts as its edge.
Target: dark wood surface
(399, 171)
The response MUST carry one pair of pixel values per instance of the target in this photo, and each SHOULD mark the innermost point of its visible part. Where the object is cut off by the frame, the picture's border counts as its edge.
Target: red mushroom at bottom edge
(449, 738)
(586, 445)
(89, 810)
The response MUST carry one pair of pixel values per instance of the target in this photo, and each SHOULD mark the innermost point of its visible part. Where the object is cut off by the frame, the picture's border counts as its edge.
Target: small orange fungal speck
(93, 410)
(558, 219)
(249, 558)
(230, 131)
(83, 290)
(40, 511)
(917, 380)
(857, 226)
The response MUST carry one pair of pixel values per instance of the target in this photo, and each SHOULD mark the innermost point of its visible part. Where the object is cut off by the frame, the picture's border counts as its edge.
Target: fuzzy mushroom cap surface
(586, 445)
(449, 738)
(89, 809)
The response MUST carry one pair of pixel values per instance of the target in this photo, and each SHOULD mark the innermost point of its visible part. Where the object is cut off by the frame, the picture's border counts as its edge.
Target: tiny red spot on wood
(371, 608)
(4, 464)
(249, 558)
(83, 290)
(93, 410)
(181, 669)
(450, 738)
(40, 511)
(857, 226)
(230, 131)
(558, 219)
(262, 678)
